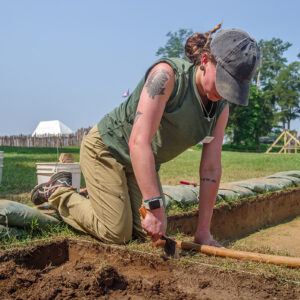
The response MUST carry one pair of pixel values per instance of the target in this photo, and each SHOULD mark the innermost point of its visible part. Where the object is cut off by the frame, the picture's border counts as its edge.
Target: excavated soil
(71, 270)
(244, 216)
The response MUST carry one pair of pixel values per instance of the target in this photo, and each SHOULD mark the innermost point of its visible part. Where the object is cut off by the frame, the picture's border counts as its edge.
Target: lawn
(19, 172)
(236, 166)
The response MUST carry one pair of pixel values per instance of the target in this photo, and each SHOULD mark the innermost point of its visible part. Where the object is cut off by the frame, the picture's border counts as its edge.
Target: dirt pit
(71, 269)
(283, 238)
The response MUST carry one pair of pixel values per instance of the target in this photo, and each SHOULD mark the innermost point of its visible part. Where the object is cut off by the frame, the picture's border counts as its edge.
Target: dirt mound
(83, 281)
(73, 270)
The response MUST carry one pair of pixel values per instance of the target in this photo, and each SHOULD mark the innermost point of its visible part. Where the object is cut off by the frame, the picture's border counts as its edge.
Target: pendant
(208, 119)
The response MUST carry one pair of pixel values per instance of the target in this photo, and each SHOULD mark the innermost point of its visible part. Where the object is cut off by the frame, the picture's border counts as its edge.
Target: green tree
(175, 44)
(287, 94)
(248, 123)
(272, 61)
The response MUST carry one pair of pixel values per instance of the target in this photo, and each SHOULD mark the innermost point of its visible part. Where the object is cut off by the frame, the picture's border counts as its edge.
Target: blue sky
(72, 60)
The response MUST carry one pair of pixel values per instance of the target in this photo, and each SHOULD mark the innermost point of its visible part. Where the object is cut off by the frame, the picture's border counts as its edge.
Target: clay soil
(69, 269)
(242, 217)
(283, 238)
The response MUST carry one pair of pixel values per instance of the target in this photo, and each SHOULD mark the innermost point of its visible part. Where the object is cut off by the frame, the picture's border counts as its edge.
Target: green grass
(25, 236)
(19, 172)
(236, 166)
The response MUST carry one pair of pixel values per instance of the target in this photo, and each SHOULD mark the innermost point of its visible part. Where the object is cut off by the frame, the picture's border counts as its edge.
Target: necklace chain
(208, 118)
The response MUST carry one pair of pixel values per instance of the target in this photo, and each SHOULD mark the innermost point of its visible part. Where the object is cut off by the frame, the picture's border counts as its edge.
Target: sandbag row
(186, 195)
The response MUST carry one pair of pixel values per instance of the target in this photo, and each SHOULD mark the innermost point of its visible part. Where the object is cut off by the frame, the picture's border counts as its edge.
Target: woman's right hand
(154, 223)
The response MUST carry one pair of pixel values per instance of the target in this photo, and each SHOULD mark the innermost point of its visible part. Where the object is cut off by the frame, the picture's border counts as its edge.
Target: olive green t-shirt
(183, 123)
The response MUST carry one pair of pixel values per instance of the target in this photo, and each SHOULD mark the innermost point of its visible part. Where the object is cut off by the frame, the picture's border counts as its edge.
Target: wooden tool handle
(224, 252)
(143, 211)
(159, 243)
(272, 259)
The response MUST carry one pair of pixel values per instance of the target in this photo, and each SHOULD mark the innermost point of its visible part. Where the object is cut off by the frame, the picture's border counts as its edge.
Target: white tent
(48, 128)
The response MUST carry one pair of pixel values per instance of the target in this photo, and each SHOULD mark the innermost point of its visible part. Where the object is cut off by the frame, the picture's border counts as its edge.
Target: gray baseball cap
(237, 56)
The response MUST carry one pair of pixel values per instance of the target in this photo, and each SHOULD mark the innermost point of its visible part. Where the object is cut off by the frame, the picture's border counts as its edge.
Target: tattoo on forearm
(137, 115)
(156, 82)
(207, 179)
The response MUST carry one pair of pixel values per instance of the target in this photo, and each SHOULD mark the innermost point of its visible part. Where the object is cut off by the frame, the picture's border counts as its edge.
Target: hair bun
(197, 44)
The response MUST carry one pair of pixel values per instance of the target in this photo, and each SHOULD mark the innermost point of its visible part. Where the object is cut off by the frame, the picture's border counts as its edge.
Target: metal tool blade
(171, 248)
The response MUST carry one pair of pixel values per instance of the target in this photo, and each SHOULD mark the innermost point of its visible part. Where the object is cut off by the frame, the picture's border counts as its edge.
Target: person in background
(177, 104)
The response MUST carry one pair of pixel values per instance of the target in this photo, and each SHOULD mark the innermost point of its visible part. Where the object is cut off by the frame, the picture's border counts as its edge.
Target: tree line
(274, 99)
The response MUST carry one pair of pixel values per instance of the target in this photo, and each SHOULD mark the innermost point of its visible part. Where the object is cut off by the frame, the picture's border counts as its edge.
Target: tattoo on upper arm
(207, 179)
(156, 82)
(137, 115)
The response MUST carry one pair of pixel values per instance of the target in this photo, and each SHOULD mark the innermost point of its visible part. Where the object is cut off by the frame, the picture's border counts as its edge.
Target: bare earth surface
(283, 238)
(71, 269)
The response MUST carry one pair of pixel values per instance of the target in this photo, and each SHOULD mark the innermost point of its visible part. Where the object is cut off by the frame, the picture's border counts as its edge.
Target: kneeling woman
(177, 104)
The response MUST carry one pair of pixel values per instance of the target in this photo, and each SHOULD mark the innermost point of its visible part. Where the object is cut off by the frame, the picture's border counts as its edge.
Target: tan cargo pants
(111, 213)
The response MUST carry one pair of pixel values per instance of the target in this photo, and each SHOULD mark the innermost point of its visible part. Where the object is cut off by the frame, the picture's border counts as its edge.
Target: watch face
(154, 204)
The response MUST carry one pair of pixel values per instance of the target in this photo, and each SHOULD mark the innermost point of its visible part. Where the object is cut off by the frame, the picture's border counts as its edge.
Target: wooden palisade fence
(45, 141)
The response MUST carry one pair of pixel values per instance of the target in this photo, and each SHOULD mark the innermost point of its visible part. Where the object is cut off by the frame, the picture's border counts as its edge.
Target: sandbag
(219, 199)
(14, 214)
(10, 232)
(275, 184)
(168, 201)
(189, 194)
(182, 194)
(295, 180)
(235, 190)
(242, 192)
(294, 173)
(254, 185)
(228, 194)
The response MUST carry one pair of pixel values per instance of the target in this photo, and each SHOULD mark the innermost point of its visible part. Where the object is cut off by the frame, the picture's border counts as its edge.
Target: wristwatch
(153, 203)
